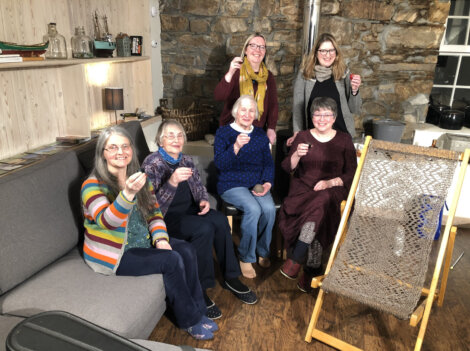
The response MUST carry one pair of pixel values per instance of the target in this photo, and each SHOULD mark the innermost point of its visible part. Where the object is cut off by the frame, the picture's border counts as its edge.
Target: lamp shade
(114, 98)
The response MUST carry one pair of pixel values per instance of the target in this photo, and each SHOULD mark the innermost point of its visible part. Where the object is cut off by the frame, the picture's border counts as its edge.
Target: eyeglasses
(330, 51)
(318, 116)
(172, 137)
(113, 148)
(259, 47)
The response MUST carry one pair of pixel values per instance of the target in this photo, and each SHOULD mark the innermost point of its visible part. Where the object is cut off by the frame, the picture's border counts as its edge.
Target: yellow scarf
(247, 76)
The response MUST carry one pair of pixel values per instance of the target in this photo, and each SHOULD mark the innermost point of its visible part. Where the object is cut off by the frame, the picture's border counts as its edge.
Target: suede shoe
(198, 332)
(209, 324)
(213, 312)
(290, 269)
(248, 297)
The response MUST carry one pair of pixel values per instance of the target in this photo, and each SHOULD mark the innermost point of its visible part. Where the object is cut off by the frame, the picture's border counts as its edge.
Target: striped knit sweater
(106, 225)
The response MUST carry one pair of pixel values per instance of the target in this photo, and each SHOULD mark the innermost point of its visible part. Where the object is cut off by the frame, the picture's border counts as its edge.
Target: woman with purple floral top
(184, 203)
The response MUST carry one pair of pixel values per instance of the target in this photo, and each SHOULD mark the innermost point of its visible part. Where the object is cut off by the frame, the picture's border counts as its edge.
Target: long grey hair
(145, 200)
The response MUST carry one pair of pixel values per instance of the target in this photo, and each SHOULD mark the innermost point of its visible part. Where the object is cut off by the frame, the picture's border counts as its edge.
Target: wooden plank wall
(26, 21)
(31, 112)
(39, 103)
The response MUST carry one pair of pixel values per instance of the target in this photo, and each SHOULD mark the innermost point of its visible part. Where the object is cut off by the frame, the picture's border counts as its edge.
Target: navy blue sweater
(252, 165)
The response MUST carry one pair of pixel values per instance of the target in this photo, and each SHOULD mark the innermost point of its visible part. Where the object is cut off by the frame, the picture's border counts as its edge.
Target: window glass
(455, 32)
(446, 68)
(461, 98)
(452, 74)
(459, 8)
(464, 73)
(441, 96)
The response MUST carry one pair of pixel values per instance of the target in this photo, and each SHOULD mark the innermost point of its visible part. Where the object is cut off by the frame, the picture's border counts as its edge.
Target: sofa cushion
(137, 134)
(86, 155)
(128, 306)
(39, 217)
(209, 175)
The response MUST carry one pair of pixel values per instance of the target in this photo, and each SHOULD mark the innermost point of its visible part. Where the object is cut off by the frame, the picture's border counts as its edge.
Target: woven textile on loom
(384, 259)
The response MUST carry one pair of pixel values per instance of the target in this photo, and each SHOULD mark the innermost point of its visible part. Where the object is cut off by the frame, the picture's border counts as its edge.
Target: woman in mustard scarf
(248, 75)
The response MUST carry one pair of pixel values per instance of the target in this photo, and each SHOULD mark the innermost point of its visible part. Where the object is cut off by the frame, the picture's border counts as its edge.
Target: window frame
(458, 51)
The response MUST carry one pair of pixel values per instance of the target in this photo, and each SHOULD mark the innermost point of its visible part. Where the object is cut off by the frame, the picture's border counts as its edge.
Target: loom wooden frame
(422, 312)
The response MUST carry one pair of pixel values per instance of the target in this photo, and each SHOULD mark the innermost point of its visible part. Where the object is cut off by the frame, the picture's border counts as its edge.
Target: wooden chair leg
(315, 315)
(279, 242)
(418, 312)
(447, 262)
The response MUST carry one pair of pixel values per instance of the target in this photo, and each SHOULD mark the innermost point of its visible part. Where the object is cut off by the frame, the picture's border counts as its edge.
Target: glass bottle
(82, 45)
(57, 48)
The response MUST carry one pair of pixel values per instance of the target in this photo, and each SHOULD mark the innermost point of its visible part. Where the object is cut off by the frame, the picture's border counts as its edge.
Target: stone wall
(393, 44)
(200, 37)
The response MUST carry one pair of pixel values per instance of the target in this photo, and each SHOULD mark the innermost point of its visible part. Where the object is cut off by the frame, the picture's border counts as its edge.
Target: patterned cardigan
(158, 171)
(106, 225)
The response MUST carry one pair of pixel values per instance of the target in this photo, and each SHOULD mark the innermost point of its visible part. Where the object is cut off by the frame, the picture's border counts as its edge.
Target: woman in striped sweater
(125, 233)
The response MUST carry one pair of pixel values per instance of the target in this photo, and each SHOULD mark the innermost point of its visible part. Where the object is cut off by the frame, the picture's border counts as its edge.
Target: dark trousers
(205, 232)
(178, 266)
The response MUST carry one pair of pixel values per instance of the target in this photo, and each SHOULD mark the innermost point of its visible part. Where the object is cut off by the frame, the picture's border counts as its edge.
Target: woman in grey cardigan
(325, 74)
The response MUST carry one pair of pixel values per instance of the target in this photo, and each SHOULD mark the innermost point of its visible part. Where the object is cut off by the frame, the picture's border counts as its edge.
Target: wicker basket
(196, 121)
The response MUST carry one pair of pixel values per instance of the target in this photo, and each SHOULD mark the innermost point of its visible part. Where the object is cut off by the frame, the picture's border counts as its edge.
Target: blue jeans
(259, 214)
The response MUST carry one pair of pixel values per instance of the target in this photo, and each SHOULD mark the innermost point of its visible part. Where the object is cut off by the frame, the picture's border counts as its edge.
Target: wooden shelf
(68, 62)
(41, 100)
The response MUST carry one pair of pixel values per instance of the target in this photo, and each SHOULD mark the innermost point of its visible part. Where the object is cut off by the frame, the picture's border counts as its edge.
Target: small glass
(82, 45)
(57, 48)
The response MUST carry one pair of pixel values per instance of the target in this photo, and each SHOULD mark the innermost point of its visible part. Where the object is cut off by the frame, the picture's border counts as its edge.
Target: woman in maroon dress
(322, 162)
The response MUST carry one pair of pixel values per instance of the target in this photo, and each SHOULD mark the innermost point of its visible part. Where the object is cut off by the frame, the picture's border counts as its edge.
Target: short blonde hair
(255, 35)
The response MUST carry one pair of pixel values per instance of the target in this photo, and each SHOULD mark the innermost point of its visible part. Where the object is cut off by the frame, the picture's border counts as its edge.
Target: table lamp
(114, 100)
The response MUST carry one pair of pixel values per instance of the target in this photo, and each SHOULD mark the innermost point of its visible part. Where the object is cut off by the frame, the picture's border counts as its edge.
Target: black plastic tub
(466, 122)
(452, 119)
(435, 112)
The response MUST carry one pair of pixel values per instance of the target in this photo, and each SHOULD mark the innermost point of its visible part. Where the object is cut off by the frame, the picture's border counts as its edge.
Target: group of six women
(157, 219)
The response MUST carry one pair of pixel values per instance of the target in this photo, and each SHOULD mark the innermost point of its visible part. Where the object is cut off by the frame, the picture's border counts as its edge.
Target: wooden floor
(280, 318)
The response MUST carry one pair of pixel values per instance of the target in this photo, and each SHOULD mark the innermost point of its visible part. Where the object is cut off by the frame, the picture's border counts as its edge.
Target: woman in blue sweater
(243, 157)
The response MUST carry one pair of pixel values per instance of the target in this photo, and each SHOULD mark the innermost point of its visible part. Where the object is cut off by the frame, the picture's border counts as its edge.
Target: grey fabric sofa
(41, 267)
